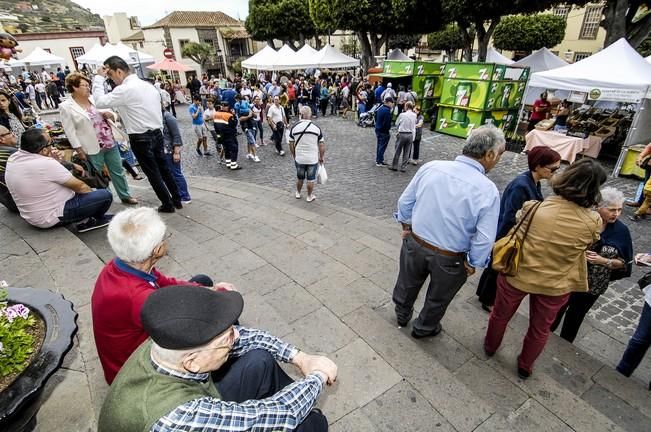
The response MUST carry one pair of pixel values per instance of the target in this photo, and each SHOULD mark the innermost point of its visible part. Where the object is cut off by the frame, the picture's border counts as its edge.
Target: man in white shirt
(308, 148)
(46, 193)
(45, 77)
(406, 123)
(139, 105)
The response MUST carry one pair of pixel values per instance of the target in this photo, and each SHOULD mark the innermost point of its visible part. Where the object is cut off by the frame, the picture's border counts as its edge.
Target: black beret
(182, 317)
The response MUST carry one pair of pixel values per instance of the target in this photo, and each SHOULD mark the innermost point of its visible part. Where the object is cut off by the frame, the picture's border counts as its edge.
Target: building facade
(583, 35)
(68, 45)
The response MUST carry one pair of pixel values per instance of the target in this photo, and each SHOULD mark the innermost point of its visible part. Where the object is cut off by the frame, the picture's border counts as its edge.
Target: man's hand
(224, 286)
(176, 157)
(101, 71)
(308, 364)
(81, 153)
(470, 270)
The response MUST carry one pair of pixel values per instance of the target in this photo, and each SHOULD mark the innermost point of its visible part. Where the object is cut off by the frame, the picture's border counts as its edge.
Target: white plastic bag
(321, 174)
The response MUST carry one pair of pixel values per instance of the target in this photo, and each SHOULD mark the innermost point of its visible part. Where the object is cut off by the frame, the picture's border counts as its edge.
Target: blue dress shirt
(454, 206)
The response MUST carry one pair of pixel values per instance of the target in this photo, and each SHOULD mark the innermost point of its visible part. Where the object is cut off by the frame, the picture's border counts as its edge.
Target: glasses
(553, 169)
(230, 340)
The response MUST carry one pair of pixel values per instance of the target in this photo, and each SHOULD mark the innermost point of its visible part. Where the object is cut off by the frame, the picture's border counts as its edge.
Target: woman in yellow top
(553, 262)
(284, 100)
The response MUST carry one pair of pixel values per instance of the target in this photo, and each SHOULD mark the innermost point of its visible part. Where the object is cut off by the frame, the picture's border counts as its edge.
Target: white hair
(134, 233)
(482, 140)
(610, 196)
(306, 112)
(170, 356)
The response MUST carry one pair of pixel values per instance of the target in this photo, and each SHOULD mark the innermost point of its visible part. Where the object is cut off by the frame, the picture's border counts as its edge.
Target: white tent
(284, 57)
(98, 54)
(616, 73)
(300, 59)
(331, 58)
(541, 60)
(262, 60)
(648, 59)
(92, 56)
(12, 63)
(131, 55)
(397, 54)
(40, 57)
(492, 56)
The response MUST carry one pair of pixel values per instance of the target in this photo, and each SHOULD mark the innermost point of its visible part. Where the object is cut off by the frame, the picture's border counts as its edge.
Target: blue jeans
(82, 206)
(638, 345)
(309, 171)
(382, 142)
(179, 178)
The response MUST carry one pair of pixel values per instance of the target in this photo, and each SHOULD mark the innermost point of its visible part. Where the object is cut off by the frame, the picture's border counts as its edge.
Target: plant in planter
(36, 331)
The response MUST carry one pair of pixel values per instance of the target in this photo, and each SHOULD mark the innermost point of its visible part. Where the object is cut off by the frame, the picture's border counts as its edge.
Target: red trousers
(542, 313)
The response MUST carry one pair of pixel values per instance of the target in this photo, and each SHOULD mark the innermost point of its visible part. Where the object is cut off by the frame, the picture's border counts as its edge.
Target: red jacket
(120, 291)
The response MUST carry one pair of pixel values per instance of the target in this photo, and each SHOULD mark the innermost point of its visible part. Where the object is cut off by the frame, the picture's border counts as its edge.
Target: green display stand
(474, 94)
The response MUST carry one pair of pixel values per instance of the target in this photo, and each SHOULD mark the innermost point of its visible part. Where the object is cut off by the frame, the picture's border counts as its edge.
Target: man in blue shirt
(378, 92)
(228, 95)
(382, 127)
(449, 215)
(196, 112)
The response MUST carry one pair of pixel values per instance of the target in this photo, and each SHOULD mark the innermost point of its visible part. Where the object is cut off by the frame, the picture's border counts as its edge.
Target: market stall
(567, 146)
(474, 94)
(611, 90)
(262, 60)
(40, 57)
(539, 61)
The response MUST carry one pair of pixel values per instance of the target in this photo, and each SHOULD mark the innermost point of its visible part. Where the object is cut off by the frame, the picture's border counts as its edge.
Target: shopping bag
(321, 174)
(507, 251)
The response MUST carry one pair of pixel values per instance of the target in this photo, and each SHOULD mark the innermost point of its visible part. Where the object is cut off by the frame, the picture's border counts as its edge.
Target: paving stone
(530, 416)
(362, 376)
(264, 279)
(462, 408)
(169, 267)
(403, 408)
(194, 231)
(292, 301)
(253, 234)
(343, 297)
(364, 260)
(617, 410)
(389, 249)
(68, 403)
(331, 335)
(73, 359)
(258, 314)
(355, 421)
(626, 389)
(322, 238)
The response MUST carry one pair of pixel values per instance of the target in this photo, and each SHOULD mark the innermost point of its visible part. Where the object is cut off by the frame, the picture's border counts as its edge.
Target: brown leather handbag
(507, 251)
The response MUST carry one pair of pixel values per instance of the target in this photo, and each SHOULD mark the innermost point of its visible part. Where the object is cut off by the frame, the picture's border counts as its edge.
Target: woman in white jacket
(90, 132)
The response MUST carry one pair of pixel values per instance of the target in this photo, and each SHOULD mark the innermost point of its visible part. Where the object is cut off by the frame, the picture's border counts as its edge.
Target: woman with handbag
(91, 133)
(543, 163)
(609, 259)
(553, 238)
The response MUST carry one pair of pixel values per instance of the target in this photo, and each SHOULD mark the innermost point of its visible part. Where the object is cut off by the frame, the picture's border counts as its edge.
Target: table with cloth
(567, 146)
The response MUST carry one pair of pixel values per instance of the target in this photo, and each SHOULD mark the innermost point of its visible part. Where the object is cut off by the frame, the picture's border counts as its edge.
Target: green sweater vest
(140, 396)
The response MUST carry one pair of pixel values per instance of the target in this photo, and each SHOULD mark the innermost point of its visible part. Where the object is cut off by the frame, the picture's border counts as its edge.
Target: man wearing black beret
(199, 371)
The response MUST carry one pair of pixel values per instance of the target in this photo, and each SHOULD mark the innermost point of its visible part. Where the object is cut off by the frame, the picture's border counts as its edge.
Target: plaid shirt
(283, 411)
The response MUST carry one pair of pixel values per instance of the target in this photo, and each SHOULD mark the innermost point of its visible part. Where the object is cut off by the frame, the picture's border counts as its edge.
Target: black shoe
(92, 223)
(393, 169)
(178, 205)
(523, 374)
(489, 353)
(486, 307)
(166, 209)
(428, 334)
(402, 323)
(403, 170)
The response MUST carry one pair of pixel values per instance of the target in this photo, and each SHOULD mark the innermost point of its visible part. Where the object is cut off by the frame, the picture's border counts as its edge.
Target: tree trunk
(615, 20)
(466, 53)
(271, 43)
(367, 52)
(483, 37)
(317, 43)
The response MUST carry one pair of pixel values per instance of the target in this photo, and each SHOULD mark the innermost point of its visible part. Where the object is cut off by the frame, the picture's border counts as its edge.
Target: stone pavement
(321, 276)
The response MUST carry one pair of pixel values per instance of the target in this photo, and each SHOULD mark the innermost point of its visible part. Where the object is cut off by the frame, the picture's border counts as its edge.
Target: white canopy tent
(284, 57)
(493, 56)
(40, 57)
(330, 57)
(616, 73)
(301, 58)
(648, 59)
(262, 60)
(98, 54)
(539, 61)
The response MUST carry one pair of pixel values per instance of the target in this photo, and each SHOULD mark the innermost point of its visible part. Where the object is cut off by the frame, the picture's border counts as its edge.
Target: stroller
(367, 118)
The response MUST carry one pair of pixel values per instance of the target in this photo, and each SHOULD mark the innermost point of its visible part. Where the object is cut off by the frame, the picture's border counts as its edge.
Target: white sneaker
(186, 202)
(311, 198)
(282, 153)
(256, 159)
(298, 195)
(249, 156)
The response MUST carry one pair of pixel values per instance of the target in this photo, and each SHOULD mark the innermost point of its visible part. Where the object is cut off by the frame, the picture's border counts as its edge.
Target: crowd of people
(204, 369)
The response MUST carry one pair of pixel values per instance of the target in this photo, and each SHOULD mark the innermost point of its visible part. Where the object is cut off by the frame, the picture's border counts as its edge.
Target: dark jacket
(521, 189)
(383, 119)
(618, 236)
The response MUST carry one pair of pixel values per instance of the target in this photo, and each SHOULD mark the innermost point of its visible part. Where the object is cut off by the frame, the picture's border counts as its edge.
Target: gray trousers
(403, 145)
(447, 275)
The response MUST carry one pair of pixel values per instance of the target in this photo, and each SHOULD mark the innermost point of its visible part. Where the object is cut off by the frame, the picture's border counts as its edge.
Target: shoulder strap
(302, 133)
(529, 216)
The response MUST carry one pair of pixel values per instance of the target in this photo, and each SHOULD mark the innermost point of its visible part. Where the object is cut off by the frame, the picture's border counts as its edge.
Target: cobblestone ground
(357, 184)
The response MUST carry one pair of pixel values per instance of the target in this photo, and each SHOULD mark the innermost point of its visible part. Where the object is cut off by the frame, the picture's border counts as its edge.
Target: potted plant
(36, 331)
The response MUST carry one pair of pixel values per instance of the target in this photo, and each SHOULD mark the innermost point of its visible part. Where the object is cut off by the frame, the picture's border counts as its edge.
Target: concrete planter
(20, 402)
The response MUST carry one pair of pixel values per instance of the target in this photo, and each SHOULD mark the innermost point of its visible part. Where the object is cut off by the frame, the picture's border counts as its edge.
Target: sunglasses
(553, 169)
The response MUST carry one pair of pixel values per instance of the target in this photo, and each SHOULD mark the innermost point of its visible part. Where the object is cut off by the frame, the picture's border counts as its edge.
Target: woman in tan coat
(553, 261)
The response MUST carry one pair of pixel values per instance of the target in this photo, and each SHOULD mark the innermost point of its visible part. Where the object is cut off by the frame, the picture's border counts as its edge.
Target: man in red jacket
(137, 236)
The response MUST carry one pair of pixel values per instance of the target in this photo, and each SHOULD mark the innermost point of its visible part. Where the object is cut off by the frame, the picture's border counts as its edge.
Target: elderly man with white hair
(449, 214)
(308, 149)
(137, 237)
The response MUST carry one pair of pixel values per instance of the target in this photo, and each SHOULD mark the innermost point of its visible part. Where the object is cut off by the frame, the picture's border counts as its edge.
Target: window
(581, 55)
(141, 44)
(182, 43)
(562, 11)
(591, 21)
(76, 52)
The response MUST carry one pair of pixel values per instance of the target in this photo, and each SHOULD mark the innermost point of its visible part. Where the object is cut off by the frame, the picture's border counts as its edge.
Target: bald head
(7, 137)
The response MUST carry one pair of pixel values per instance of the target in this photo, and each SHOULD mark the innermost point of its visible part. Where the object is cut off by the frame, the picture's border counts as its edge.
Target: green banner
(398, 67)
(428, 68)
(471, 71)
(460, 122)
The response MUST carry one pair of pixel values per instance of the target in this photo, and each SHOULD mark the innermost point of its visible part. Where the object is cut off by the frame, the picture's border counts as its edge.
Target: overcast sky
(150, 11)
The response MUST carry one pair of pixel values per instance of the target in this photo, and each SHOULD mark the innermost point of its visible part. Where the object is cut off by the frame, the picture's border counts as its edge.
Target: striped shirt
(283, 411)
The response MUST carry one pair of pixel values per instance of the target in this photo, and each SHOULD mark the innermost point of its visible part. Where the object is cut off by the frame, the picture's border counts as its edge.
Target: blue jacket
(378, 92)
(521, 189)
(228, 95)
(383, 119)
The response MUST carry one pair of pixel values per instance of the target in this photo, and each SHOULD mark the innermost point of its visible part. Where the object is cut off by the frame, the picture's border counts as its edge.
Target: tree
(645, 47)
(448, 39)
(199, 53)
(529, 32)
(286, 20)
(630, 19)
(404, 42)
(484, 15)
(374, 20)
